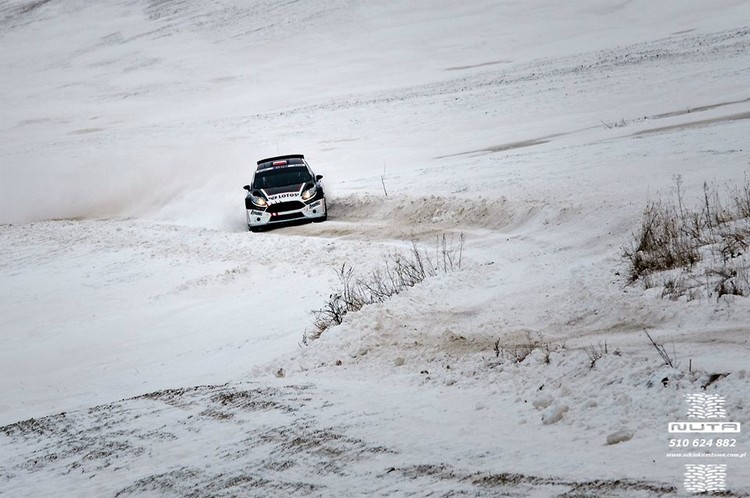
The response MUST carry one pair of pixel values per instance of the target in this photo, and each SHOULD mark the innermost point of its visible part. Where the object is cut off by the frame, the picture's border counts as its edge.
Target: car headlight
(259, 201)
(309, 193)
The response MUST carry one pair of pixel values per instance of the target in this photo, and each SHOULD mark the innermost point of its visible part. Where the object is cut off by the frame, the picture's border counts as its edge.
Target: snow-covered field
(151, 346)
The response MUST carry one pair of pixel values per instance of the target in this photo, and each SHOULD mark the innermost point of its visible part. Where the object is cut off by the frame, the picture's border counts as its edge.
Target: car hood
(280, 194)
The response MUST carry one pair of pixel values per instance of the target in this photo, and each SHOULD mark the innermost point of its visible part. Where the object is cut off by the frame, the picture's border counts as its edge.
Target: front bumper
(284, 212)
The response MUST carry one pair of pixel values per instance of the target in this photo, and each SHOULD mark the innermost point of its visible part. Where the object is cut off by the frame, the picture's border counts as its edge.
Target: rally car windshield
(281, 177)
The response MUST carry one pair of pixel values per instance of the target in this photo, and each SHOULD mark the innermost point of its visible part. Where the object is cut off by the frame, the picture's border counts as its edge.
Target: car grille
(285, 206)
(286, 217)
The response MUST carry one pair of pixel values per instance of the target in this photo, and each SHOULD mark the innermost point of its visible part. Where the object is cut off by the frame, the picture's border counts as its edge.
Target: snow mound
(554, 414)
(620, 436)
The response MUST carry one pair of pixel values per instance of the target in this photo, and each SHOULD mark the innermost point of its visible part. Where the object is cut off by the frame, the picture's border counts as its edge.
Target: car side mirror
(318, 177)
(247, 187)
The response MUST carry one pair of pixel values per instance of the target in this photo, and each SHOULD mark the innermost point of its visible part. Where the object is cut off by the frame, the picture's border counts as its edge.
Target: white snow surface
(151, 346)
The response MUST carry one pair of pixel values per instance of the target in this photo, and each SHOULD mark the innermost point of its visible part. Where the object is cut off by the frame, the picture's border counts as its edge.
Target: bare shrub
(339, 303)
(398, 273)
(705, 244)
(518, 352)
(734, 243)
(673, 288)
(734, 280)
(449, 252)
(661, 243)
(670, 361)
(596, 352)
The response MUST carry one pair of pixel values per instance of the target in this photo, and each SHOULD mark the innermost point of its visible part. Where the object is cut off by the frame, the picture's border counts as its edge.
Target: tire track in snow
(415, 218)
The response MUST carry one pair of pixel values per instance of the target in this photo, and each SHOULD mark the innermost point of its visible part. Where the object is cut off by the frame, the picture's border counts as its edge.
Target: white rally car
(284, 189)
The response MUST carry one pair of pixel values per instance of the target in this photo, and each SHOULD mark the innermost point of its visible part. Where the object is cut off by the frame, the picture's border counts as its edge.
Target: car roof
(288, 161)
